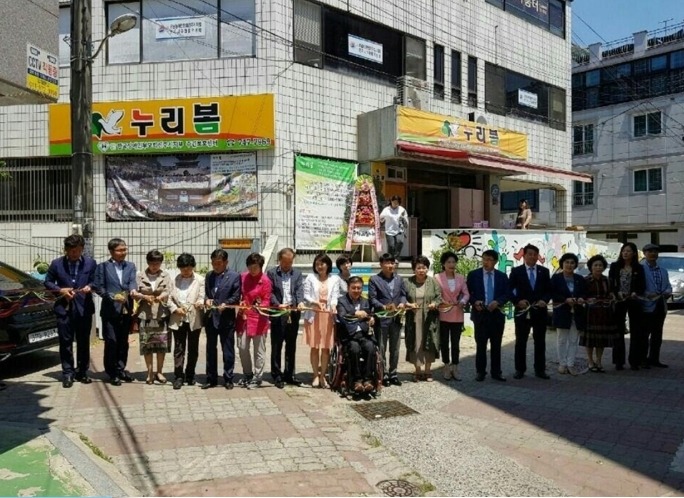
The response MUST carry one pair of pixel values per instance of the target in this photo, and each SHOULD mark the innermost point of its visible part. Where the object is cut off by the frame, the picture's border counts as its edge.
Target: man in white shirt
(395, 220)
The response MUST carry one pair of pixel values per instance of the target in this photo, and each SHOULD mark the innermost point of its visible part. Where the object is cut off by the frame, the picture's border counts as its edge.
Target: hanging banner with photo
(323, 194)
(171, 187)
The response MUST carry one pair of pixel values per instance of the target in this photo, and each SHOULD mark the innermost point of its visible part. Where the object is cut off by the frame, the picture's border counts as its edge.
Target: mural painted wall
(509, 244)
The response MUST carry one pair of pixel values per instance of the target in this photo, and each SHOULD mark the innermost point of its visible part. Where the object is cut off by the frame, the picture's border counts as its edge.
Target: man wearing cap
(658, 289)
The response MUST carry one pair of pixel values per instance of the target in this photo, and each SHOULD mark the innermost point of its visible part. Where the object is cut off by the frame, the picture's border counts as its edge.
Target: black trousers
(282, 331)
(653, 334)
(450, 331)
(78, 328)
(634, 310)
(489, 328)
(389, 333)
(522, 333)
(185, 340)
(115, 332)
(226, 334)
(356, 350)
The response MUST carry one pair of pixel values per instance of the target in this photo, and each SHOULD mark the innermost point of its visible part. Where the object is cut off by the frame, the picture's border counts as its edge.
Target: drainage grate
(398, 488)
(383, 409)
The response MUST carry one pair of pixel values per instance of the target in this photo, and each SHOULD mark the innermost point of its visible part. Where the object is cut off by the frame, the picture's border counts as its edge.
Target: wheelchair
(338, 376)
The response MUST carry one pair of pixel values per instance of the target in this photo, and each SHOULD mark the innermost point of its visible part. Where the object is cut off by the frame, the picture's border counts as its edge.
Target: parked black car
(31, 326)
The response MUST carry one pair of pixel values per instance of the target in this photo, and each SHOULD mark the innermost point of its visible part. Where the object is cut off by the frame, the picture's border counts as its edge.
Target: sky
(616, 19)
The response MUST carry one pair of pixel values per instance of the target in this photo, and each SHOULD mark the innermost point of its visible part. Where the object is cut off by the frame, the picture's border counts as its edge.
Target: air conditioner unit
(413, 92)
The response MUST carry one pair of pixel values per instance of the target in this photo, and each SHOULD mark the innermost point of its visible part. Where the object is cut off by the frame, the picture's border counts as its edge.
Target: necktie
(73, 271)
(490, 287)
(532, 277)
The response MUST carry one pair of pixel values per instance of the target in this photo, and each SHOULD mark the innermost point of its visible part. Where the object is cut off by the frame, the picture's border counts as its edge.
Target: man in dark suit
(115, 283)
(530, 289)
(387, 292)
(70, 278)
(488, 289)
(222, 289)
(356, 336)
(287, 292)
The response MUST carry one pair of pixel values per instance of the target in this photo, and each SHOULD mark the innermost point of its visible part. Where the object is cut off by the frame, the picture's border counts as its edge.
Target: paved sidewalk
(617, 433)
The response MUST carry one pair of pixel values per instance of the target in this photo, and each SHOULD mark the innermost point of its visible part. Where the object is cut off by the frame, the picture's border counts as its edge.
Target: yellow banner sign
(448, 132)
(207, 124)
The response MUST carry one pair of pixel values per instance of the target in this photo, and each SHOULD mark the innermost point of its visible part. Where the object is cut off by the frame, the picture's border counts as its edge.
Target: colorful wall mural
(509, 244)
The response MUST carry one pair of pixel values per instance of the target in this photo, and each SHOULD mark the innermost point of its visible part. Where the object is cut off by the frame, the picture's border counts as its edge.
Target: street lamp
(81, 96)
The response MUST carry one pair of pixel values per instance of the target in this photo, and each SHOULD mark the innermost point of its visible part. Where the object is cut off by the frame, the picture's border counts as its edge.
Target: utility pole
(81, 116)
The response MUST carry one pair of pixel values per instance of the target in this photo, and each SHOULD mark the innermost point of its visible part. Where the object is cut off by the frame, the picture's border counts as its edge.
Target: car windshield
(12, 279)
(671, 264)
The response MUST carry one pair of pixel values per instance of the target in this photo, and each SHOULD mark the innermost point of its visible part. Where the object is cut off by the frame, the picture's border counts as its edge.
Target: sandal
(593, 369)
(160, 378)
(316, 382)
(417, 376)
(150, 380)
(428, 377)
(599, 368)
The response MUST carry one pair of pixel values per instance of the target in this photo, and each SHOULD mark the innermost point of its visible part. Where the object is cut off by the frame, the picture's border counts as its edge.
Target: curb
(103, 476)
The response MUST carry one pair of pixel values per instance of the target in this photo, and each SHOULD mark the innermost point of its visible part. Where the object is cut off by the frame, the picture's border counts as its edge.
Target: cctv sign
(42, 72)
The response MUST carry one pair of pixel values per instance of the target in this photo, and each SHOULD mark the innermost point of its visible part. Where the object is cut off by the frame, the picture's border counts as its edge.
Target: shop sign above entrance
(207, 124)
(449, 132)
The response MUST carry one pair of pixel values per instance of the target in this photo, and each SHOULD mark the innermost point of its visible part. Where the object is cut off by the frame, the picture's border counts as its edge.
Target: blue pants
(115, 332)
(227, 335)
(78, 328)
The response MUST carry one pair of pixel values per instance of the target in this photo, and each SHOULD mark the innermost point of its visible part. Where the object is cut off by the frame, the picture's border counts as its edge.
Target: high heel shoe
(160, 378)
(150, 380)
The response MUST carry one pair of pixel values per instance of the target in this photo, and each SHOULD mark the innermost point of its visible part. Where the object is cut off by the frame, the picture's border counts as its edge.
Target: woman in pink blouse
(252, 326)
(454, 293)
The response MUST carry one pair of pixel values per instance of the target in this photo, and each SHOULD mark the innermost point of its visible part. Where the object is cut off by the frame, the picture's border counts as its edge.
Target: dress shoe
(115, 381)
(454, 373)
(83, 379)
(178, 383)
(542, 375)
(278, 382)
(446, 372)
(395, 381)
(254, 384)
(208, 385)
(358, 387)
(385, 382)
(518, 375)
(480, 377)
(368, 386)
(619, 367)
(68, 382)
(127, 378)
(294, 381)
(229, 385)
(658, 364)
(191, 381)
(500, 378)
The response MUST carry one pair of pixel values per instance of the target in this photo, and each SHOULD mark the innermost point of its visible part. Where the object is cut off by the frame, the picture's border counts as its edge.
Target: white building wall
(315, 112)
(617, 154)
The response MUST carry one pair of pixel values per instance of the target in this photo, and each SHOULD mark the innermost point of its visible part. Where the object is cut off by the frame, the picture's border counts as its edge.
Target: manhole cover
(383, 409)
(398, 488)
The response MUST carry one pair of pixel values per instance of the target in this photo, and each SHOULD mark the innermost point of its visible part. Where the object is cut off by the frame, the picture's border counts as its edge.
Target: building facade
(628, 133)
(202, 110)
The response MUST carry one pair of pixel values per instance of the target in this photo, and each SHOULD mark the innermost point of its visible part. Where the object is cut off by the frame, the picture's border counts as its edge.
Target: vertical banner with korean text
(323, 194)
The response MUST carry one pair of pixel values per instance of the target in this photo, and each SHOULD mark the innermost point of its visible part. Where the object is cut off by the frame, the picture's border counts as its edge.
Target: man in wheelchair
(355, 333)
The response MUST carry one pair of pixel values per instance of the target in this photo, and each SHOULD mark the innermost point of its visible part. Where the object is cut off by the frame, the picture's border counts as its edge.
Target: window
(38, 189)
(648, 180)
(658, 63)
(583, 139)
(557, 18)
(456, 77)
(64, 36)
(547, 14)
(513, 94)
(511, 200)
(677, 59)
(592, 78)
(497, 3)
(307, 33)
(171, 31)
(583, 194)
(472, 81)
(438, 72)
(648, 124)
(414, 61)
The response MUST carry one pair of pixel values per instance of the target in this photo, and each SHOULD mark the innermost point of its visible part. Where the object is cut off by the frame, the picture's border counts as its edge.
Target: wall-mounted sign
(528, 99)
(42, 71)
(179, 27)
(207, 124)
(235, 243)
(539, 9)
(365, 49)
(427, 128)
